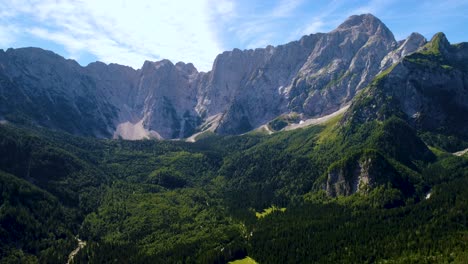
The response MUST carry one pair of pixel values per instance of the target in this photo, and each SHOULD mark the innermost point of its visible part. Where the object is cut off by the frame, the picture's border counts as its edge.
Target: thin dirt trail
(461, 152)
(81, 244)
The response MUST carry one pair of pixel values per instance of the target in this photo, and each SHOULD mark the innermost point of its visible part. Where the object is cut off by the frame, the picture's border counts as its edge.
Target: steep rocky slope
(312, 77)
(42, 88)
(428, 88)
(425, 94)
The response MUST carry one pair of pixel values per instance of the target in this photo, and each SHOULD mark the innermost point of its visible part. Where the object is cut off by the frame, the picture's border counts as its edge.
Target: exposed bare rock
(361, 173)
(41, 88)
(408, 46)
(165, 97)
(342, 62)
(312, 77)
(343, 182)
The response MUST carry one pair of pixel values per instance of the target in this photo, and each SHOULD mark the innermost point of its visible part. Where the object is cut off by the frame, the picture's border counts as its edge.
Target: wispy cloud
(8, 34)
(371, 7)
(315, 26)
(285, 8)
(126, 32)
(255, 24)
(224, 8)
(326, 17)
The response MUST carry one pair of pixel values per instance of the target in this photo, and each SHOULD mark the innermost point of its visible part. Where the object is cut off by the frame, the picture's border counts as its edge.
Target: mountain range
(309, 78)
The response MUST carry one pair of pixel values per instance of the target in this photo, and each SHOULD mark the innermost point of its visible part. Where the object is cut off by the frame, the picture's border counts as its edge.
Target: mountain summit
(365, 23)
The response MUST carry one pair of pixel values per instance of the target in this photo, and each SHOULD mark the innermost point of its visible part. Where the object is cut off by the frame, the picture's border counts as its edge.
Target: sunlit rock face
(314, 76)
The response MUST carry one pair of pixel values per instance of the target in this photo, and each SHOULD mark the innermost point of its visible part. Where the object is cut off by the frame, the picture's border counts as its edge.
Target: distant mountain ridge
(312, 77)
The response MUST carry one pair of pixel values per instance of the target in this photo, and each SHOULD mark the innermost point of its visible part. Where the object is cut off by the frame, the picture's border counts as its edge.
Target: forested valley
(155, 201)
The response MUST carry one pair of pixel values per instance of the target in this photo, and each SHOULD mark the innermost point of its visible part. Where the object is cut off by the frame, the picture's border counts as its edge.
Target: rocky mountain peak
(155, 65)
(32, 53)
(96, 65)
(187, 68)
(438, 44)
(406, 47)
(36, 61)
(440, 38)
(427, 87)
(341, 63)
(412, 43)
(365, 23)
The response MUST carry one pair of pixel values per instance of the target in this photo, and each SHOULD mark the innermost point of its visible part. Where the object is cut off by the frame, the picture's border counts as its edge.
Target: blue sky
(131, 31)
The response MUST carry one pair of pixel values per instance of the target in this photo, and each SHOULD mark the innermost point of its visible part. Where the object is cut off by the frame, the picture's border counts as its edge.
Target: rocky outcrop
(165, 98)
(407, 47)
(361, 173)
(117, 83)
(343, 181)
(256, 79)
(313, 77)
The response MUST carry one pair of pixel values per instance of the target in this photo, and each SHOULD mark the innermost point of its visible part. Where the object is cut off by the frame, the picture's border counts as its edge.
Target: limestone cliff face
(41, 88)
(117, 83)
(361, 173)
(256, 96)
(360, 178)
(406, 47)
(245, 89)
(165, 98)
(314, 76)
(341, 63)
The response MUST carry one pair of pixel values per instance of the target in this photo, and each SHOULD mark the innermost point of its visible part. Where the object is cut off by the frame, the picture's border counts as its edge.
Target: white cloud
(322, 21)
(261, 42)
(260, 24)
(129, 32)
(126, 32)
(315, 26)
(7, 35)
(68, 41)
(372, 7)
(224, 8)
(285, 8)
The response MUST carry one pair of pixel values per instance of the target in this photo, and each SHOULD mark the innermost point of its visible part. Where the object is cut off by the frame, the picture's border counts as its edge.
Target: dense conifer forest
(175, 202)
